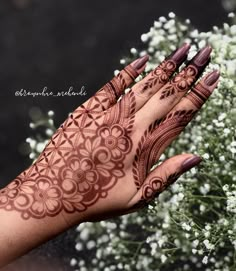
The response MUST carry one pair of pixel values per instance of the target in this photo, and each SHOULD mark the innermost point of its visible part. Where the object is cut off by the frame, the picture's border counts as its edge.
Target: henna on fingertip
(183, 81)
(161, 74)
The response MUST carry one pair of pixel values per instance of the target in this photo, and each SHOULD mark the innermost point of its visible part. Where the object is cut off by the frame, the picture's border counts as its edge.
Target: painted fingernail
(180, 54)
(212, 78)
(202, 56)
(190, 163)
(140, 62)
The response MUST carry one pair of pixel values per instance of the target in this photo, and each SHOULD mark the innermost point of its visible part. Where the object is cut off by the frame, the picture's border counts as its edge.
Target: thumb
(162, 176)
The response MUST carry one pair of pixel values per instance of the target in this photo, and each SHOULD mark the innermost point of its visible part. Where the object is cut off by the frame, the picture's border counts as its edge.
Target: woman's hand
(97, 164)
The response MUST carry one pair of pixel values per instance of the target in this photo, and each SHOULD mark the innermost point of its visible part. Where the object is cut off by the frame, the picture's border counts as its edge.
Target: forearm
(19, 235)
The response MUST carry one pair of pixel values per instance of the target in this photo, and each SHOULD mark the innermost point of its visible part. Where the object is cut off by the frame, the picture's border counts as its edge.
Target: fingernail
(190, 163)
(180, 54)
(212, 78)
(140, 62)
(203, 56)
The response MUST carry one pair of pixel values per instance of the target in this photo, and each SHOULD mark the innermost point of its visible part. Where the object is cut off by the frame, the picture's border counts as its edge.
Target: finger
(201, 92)
(161, 177)
(110, 92)
(162, 133)
(173, 91)
(156, 79)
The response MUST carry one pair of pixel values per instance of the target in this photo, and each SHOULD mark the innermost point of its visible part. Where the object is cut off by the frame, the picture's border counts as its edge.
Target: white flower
(195, 243)
(171, 15)
(186, 227)
(222, 158)
(206, 156)
(133, 51)
(73, 262)
(205, 260)
(208, 245)
(226, 131)
(144, 37)
(40, 147)
(163, 258)
(51, 113)
(205, 188)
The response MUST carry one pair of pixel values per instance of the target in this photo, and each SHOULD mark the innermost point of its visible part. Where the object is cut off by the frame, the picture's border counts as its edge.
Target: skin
(97, 165)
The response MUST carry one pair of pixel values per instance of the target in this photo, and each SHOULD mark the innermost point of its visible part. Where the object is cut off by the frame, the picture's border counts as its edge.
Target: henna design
(168, 91)
(155, 138)
(199, 95)
(118, 83)
(160, 75)
(88, 174)
(108, 94)
(82, 162)
(85, 158)
(154, 187)
(185, 79)
(181, 83)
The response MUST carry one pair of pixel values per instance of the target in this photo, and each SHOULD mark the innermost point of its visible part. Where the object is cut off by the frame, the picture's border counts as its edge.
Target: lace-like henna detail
(181, 82)
(158, 134)
(81, 163)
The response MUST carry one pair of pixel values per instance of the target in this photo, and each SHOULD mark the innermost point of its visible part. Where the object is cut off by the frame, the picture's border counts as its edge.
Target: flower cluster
(192, 225)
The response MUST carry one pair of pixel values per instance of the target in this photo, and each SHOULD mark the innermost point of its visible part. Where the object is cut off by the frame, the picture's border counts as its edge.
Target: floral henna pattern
(89, 173)
(82, 162)
(158, 136)
(32, 199)
(181, 83)
(160, 75)
(9, 192)
(185, 78)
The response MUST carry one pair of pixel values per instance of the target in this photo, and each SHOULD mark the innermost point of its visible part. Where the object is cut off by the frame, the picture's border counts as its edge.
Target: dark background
(59, 44)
